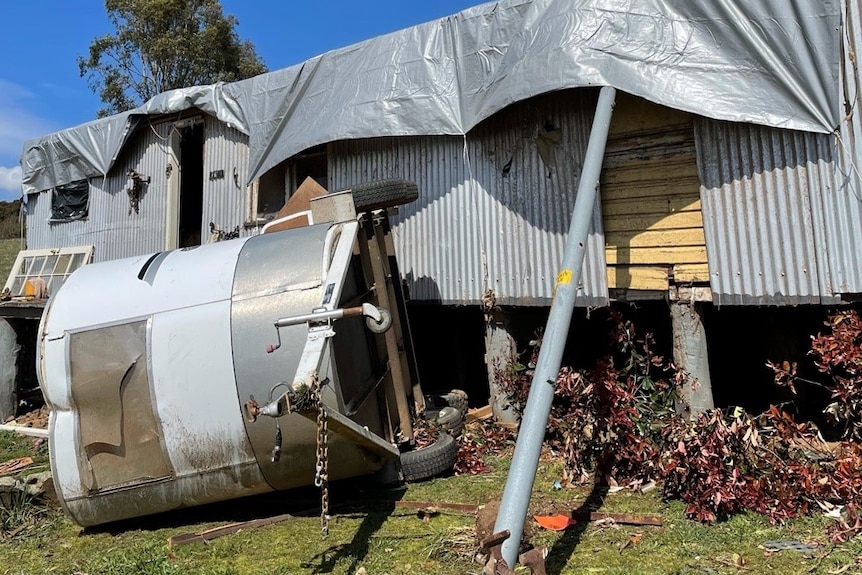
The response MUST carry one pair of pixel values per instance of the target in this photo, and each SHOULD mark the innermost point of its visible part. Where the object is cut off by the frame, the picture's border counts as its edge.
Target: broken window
(70, 201)
(53, 266)
(270, 192)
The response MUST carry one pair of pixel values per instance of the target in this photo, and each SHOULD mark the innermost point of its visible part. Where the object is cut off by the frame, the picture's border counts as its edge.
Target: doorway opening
(191, 184)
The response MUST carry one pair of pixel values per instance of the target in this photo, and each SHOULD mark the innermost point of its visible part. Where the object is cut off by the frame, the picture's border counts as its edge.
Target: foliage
(838, 354)
(618, 422)
(161, 45)
(606, 420)
(10, 223)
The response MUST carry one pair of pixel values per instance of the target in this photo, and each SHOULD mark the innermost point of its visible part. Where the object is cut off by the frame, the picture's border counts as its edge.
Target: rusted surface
(534, 559)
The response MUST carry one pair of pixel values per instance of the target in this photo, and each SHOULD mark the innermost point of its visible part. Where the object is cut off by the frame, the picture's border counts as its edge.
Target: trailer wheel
(384, 194)
(427, 462)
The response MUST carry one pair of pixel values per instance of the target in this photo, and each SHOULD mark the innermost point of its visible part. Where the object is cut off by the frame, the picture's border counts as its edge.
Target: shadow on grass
(357, 549)
(565, 546)
(302, 502)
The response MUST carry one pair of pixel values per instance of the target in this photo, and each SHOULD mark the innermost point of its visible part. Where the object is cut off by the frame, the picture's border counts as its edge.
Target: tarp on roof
(768, 62)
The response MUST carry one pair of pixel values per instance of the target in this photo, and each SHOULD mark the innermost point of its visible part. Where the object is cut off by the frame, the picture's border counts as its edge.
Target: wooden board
(691, 273)
(621, 255)
(644, 277)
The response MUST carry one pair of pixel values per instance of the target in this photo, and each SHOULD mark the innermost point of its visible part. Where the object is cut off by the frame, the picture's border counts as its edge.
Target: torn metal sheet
(770, 62)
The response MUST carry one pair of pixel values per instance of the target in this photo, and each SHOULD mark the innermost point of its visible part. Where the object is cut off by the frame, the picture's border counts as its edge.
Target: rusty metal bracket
(491, 547)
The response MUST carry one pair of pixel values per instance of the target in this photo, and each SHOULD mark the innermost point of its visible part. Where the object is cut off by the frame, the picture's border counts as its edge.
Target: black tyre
(384, 194)
(430, 461)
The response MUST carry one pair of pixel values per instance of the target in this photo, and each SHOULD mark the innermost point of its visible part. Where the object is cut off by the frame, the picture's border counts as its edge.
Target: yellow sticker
(564, 277)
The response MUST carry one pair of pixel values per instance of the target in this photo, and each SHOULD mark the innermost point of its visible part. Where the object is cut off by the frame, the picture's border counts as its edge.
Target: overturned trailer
(160, 370)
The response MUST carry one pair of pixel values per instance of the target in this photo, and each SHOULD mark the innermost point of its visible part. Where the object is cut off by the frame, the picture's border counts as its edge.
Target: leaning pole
(531, 434)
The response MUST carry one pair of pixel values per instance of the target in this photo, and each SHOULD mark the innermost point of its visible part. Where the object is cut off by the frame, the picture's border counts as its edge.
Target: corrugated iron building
(764, 216)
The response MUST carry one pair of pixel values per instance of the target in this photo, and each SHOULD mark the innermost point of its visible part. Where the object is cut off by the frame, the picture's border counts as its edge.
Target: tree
(161, 45)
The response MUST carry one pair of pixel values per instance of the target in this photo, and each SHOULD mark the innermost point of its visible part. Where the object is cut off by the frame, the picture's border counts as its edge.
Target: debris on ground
(37, 418)
(36, 485)
(790, 545)
(13, 465)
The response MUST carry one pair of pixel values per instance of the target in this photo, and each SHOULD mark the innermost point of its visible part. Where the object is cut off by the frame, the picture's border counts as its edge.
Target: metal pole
(525, 461)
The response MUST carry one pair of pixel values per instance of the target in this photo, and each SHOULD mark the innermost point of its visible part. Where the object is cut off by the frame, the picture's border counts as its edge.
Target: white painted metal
(111, 293)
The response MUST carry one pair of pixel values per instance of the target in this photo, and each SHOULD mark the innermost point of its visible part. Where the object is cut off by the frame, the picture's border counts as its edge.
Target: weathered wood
(638, 277)
(659, 238)
(621, 518)
(13, 465)
(623, 255)
(216, 532)
(690, 354)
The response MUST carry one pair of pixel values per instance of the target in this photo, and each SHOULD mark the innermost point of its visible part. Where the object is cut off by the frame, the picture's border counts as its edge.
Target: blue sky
(41, 91)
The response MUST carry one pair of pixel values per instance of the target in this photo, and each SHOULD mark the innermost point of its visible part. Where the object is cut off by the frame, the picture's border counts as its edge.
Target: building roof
(768, 62)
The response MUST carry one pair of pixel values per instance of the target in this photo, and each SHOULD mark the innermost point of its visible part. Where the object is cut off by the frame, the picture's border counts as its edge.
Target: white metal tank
(146, 363)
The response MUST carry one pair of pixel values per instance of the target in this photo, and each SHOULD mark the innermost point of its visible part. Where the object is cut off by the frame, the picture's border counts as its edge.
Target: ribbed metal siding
(477, 224)
(843, 204)
(762, 193)
(224, 199)
(110, 228)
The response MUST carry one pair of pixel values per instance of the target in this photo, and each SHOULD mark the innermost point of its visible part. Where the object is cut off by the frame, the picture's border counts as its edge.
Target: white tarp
(769, 62)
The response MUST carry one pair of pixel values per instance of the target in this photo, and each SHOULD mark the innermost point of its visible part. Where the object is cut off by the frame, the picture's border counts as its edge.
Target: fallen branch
(216, 532)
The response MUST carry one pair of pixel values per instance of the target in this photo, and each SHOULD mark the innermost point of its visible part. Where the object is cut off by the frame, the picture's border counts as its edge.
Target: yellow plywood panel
(694, 273)
(644, 221)
(681, 169)
(645, 239)
(638, 277)
(666, 205)
(621, 255)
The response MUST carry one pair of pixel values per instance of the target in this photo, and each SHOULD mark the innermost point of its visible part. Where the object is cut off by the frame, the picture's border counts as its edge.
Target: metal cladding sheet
(493, 208)
(762, 193)
(843, 203)
(771, 62)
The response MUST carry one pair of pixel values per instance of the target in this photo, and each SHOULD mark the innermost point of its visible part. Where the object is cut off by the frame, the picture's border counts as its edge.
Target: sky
(40, 41)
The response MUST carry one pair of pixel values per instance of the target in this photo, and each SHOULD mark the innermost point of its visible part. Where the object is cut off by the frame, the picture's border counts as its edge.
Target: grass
(8, 251)
(369, 532)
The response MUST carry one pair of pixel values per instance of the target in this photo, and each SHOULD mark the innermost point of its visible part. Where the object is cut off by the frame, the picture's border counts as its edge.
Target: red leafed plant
(606, 420)
(707, 463)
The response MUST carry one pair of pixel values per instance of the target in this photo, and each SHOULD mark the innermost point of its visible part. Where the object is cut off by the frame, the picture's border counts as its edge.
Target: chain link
(321, 476)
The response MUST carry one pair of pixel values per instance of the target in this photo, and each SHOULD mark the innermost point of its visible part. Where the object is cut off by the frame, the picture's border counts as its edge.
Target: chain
(321, 477)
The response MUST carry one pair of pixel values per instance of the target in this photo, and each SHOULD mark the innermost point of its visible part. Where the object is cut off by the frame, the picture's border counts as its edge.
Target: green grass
(8, 250)
(367, 532)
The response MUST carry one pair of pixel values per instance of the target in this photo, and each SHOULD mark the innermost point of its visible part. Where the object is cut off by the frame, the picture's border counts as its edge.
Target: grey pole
(525, 461)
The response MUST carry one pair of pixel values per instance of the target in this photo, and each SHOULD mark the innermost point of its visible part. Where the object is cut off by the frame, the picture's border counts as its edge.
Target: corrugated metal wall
(224, 199)
(492, 214)
(110, 227)
(764, 194)
(114, 231)
(843, 204)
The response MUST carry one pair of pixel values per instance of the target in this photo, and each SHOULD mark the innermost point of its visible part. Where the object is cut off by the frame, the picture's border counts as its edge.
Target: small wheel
(384, 324)
(430, 461)
(383, 194)
(450, 420)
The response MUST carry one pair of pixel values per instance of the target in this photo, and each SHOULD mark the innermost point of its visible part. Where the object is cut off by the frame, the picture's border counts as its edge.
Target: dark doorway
(191, 184)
